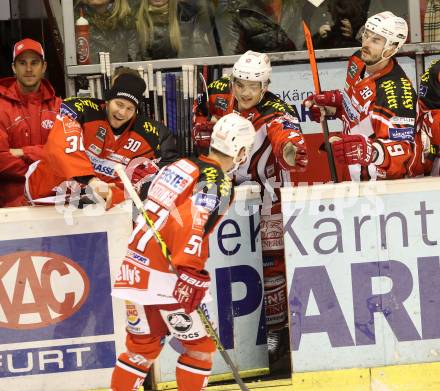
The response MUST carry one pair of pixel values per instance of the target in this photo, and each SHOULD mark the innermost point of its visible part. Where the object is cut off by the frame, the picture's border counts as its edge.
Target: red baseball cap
(27, 44)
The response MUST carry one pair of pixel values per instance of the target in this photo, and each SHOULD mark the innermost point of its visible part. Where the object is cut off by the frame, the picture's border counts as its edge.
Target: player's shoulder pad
(83, 109)
(150, 130)
(429, 89)
(395, 92)
(220, 86)
(271, 104)
(212, 178)
(355, 56)
(432, 71)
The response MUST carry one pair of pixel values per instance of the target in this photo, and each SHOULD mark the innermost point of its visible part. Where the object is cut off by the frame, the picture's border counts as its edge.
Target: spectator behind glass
(112, 28)
(28, 108)
(347, 18)
(263, 26)
(431, 21)
(121, 70)
(172, 28)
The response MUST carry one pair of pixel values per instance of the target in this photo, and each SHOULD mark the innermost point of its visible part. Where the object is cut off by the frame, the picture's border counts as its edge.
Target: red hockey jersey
(82, 143)
(428, 117)
(275, 122)
(382, 107)
(185, 201)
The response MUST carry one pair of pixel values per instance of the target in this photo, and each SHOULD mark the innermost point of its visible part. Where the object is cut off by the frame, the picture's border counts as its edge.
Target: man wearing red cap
(28, 107)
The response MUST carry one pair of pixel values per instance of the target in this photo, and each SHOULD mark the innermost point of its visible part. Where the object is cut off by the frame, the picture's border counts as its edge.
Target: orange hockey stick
(325, 131)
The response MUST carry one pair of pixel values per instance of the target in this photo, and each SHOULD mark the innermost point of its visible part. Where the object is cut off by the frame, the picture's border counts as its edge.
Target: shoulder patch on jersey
(66, 110)
(352, 70)
(221, 103)
(206, 201)
(101, 133)
(401, 134)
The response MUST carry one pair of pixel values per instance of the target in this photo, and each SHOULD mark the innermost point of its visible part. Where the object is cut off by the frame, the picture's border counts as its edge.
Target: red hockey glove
(294, 155)
(144, 172)
(325, 98)
(201, 134)
(191, 287)
(354, 149)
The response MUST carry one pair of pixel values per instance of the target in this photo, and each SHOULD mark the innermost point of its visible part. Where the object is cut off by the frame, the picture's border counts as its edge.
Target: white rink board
(77, 353)
(368, 296)
(293, 83)
(237, 276)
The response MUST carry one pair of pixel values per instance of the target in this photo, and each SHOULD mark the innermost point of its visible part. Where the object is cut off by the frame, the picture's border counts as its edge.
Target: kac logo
(38, 289)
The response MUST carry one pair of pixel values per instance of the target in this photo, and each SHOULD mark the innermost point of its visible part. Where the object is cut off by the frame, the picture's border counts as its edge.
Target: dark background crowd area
(204, 28)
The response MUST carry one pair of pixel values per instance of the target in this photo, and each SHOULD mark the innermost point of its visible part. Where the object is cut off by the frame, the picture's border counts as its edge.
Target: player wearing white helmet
(234, 137)
(185, 211)
(384, 34)
(377, 107)
(278, 153)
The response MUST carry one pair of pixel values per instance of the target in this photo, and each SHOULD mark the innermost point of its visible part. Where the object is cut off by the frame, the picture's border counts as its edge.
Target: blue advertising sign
(363, 272)
(49, 290)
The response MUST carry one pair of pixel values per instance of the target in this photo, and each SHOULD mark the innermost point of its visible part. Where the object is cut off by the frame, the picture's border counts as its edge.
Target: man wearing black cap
(91, 136)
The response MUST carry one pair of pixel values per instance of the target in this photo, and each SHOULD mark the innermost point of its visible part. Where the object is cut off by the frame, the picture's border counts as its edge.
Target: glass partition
(137, 30)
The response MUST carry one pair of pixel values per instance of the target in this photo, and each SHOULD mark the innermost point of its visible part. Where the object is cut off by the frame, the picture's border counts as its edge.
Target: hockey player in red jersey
(185, 201)
(279, 152)
(428, 117)
(91, 136)
(377, 107)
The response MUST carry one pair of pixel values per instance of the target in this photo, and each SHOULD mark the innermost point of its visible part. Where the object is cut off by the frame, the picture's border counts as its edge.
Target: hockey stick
(108, 70)
(102, 68)
(185, 113)
(165, 102)
(151, 91)
(166, 253)
(190, 103)
(179, 122)
(325, 131)
(159, 96)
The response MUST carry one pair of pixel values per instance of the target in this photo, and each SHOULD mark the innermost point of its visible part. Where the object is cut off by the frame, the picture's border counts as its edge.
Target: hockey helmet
(253, 66)
(393, 28)
(231, 133)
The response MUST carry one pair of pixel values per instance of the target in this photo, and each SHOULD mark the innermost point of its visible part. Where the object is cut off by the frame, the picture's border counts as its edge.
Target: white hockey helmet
(393, 28)
(231, 133)
(253, 66)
